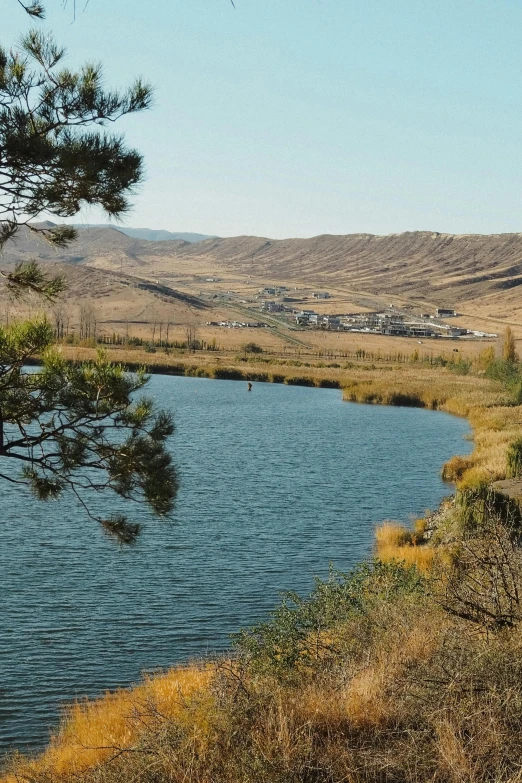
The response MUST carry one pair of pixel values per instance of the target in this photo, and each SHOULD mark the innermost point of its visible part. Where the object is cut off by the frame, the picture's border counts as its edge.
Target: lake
(275, 484)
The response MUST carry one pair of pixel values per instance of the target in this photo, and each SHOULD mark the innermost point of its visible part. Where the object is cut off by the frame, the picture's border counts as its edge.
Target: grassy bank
(375, 678)
(407, 670)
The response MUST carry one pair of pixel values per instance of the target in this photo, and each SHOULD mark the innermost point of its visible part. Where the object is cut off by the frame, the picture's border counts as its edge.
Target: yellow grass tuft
(95, 731)
(395, 542)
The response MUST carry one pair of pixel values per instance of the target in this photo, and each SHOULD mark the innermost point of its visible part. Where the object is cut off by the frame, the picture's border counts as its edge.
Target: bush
(454, 468)
(259, 377)
(300, 381)
(504, 371)
(252, 348)
(300, 633)
(405, 399)
(325, 383)
(483, 587)
(229, 374)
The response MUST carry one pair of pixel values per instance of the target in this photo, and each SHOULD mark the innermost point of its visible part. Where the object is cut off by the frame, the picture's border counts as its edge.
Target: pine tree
(55, 155)
(77, 428)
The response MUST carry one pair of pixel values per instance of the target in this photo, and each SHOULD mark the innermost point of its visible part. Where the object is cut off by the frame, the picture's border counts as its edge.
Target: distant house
(303, 317)
(419, 331)
(443, 312)
(321, 295)
(272, 307)
(331, 322)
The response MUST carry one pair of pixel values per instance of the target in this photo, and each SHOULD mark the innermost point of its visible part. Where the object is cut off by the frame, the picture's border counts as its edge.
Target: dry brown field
(133, 285)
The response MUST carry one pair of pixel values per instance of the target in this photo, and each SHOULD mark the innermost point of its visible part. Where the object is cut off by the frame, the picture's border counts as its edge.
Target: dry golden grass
(395, 542)
(93, 732)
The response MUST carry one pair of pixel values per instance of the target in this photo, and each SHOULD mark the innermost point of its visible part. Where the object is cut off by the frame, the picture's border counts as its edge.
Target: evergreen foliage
(70, 427)
(80, 427)
(55, 156)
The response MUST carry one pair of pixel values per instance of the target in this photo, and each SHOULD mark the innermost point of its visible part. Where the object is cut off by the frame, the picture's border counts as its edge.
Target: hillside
(479, 275)
(423, 265)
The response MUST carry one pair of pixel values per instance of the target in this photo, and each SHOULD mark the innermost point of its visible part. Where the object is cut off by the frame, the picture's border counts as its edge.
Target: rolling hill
(479, 275)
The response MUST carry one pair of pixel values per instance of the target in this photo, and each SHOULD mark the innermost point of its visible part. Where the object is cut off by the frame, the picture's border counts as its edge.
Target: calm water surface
(275, 484)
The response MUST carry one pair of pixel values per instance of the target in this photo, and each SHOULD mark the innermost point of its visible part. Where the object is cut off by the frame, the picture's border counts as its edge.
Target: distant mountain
(152, 235)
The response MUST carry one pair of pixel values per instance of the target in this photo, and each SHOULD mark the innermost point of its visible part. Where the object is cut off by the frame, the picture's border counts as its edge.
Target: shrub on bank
(326, 383)
(300, 380)
(514, 459)
(454, 469)
(228, 374)
(380, 675)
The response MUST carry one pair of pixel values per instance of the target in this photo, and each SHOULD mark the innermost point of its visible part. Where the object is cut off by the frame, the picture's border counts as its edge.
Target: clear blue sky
(301, 117)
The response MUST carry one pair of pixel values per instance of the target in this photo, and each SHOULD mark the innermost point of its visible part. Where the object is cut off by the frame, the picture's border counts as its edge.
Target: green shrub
(284, 645)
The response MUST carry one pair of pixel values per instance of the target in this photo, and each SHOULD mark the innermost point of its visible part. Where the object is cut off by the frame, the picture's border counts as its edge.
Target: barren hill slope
(419, 264)
(480, 274)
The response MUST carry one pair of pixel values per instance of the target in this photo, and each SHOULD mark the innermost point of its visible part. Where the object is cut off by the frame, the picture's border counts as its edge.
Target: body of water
(275, 484)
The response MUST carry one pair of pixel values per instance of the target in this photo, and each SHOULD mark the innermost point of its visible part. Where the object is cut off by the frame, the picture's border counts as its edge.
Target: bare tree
(483, 584)
(59, 315)
(88, 322)
(191, 337)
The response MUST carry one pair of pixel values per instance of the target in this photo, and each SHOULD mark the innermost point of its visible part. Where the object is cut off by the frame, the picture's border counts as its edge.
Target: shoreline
(491, 420)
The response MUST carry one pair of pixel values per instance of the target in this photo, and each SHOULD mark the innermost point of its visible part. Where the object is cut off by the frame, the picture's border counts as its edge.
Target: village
(392, 321)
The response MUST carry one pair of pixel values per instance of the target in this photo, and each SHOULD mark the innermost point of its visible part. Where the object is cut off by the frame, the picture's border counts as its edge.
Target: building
(443, 312)
(303, 317)
(272, 307)
(417, 330)
(321, 295)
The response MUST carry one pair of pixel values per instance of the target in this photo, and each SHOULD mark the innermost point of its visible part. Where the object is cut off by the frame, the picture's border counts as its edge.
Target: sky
(292, 118)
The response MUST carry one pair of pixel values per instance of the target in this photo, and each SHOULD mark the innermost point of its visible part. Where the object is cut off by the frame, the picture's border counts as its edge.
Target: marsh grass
(394, 542)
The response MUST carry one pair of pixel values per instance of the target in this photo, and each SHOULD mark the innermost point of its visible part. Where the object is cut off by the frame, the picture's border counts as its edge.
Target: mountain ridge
(150, 234)
(476, 270)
